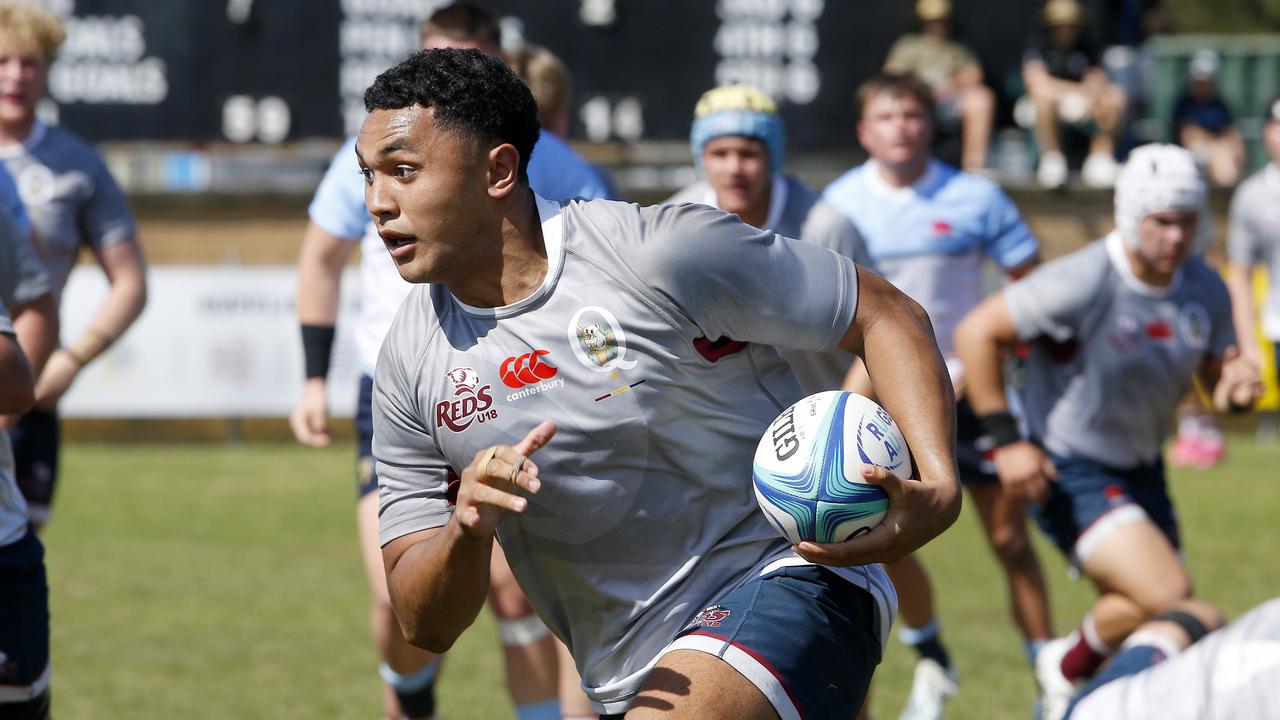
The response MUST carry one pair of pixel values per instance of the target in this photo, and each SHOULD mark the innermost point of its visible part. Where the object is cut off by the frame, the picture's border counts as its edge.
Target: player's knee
(521, 631)
(1012, 547)
(1044, 102)
(508, 602)
(980, 99)
(1163, 594)
(382, 603)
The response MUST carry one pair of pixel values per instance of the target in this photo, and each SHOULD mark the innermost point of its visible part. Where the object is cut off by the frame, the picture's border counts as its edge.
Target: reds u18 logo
(472, 401)
(527, 369)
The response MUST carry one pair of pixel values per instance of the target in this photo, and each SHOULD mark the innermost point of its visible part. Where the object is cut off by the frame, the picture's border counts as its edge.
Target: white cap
(1204, 65)
(1156, 178)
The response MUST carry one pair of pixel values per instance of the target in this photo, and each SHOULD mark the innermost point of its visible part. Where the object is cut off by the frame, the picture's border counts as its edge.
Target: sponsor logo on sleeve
(529, 374)
(472, 402)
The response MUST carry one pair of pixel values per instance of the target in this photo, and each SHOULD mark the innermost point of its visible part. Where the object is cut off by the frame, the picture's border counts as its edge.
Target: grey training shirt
(649, 343)
(1113, 356)
(798, 212)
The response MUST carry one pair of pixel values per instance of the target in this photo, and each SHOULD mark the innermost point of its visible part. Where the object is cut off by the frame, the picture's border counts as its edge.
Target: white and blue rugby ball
(806, 467)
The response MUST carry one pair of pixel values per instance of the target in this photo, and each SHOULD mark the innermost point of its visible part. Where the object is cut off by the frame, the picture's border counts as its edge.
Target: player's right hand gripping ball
(806, 471)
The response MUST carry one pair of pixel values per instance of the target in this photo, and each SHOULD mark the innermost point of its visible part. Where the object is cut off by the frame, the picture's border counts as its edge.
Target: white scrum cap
(1156, 178)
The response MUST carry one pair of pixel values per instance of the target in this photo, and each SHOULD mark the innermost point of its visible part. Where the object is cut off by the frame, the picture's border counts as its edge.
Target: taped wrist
(1002, 427)
(317, 349)
(88, 346)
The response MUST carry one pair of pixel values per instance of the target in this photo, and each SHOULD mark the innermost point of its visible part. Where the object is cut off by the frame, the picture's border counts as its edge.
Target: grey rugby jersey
(1113, 356)
(646, 513)
(1253, 237)
(798, 212)
(71, 199)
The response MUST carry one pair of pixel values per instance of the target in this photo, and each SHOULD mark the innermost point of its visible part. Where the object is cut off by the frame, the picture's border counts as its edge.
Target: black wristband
(1001, 427)
(317, 348)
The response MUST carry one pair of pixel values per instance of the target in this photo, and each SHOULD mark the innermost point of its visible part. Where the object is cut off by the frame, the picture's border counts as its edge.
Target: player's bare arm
(1024, 469)
(16, 392)
(893, 336)
(126, 273)
(439, 578)
(1240, 285)
(36, 324)
(1235, 380)
(320, 262)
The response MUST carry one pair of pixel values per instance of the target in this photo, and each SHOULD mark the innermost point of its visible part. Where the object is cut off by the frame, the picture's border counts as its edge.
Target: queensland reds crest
(472, 402)
(598, 340)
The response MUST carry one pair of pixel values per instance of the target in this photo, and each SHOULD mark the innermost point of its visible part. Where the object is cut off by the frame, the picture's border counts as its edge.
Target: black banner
(276, 70)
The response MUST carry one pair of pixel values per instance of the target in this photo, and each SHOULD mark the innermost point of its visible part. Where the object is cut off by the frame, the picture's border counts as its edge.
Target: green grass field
(224, 582)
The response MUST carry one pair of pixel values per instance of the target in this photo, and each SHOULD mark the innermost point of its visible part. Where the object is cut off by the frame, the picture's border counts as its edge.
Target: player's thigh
(1138, 561)
(804, 638)
(506, 599)
(693, 685)
(370, 547)
(1090, 501)
(1004, 519)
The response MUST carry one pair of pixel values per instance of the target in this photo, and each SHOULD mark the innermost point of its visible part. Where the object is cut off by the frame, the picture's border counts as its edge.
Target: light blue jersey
(929, 239)
(559, 173)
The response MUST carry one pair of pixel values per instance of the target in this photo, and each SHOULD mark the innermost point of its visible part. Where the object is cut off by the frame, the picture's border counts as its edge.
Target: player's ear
(504, 170)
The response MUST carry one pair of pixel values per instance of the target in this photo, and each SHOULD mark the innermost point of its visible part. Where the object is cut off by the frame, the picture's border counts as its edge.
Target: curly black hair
(472, 93)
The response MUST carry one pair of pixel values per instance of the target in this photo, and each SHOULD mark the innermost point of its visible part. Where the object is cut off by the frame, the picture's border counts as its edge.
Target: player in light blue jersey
(339, 223)
(73, 203)
(929, 229)
(1116, 332)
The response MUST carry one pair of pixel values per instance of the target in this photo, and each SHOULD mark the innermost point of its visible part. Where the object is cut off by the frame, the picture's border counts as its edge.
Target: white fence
(212, 342)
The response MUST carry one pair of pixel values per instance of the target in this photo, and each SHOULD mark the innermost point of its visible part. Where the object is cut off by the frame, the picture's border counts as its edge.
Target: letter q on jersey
(527, 369)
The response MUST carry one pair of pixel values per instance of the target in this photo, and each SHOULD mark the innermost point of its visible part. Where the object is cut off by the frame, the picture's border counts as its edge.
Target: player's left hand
(56, 378)
(918, 512)
(1240, 383)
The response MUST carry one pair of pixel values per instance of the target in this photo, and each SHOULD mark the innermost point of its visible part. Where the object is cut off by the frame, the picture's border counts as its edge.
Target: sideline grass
(216, 582)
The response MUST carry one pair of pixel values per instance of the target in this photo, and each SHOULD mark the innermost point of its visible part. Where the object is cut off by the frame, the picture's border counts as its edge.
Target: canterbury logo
(528, 369)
